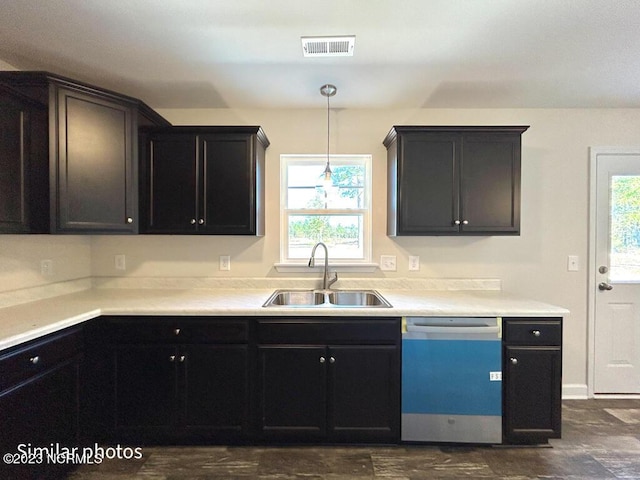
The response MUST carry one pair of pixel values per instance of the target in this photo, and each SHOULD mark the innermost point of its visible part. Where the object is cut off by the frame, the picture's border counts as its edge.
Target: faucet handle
(333, 278)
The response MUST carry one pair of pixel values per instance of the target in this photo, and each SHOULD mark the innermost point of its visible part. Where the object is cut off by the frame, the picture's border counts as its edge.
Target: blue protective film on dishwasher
(451, 377)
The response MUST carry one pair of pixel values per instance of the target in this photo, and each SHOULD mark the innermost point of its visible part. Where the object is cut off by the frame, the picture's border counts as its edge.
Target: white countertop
(20, 323)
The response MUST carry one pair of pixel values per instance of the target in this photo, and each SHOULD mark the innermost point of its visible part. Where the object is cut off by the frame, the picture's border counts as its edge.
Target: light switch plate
(573, 263)
(414, 263)
(225, 262)
(120, 262)
(388, 263)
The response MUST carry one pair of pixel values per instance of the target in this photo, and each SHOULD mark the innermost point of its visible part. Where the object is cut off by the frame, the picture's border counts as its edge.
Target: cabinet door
(145, 388)
(292, 392)
(171, 174)
(532, 393)
(40, 412)
(93, 152)
(490, 184)
(24, 172)
(428, 183)
(363, 393)
(228, 203)
(14, 167)
(213, 389)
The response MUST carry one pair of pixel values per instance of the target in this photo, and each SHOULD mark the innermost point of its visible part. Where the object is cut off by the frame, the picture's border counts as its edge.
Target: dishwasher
(451, 380)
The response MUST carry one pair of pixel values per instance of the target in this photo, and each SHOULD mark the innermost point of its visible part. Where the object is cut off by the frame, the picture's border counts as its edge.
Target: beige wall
(555, 159)
(20, 257)
(554, 211)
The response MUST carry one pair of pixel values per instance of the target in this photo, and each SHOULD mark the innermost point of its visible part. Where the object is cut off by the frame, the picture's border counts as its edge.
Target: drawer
(39, 355)
(177, 330)
(544, 331)
(323, 331)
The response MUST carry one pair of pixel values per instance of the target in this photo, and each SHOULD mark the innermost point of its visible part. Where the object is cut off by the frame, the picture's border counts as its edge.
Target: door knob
(605, 286)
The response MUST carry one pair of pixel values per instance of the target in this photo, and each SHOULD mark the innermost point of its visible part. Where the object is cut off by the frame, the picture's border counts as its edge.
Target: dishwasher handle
(452, 329)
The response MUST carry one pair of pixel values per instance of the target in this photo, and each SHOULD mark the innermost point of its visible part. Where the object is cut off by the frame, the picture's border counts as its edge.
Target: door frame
(594, 152)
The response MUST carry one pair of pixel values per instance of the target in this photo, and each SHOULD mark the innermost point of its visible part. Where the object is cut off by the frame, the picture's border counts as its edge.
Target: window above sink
(338, 215)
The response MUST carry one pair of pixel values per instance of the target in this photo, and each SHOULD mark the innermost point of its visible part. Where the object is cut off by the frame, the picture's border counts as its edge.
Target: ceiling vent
(328, 46)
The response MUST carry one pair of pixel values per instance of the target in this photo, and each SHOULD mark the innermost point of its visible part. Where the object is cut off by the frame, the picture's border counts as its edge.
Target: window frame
(285, 213)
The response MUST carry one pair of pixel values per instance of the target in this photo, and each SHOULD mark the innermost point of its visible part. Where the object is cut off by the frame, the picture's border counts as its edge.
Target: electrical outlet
(414, 263)
(388, 263)
(120, 262)
(573, 263)
(46, 268)
(225, 263)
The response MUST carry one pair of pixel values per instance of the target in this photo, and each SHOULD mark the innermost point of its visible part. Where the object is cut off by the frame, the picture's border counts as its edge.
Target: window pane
(305, 188)
(341, 233)
(625, 229)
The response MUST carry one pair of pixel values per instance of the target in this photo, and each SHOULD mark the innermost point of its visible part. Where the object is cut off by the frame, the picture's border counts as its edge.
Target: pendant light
(328, 91)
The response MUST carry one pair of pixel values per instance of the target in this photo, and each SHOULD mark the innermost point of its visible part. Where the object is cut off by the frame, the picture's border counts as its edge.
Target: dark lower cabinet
(292, 387)
(532, 380)
(179, 380)
(145, 376)
(362, 392)
(320, 392)
(39, 406)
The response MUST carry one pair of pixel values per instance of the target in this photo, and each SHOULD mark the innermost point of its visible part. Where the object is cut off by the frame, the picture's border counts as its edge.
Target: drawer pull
(172, 358)
(536, 333)
(182, 358)
(177, 331)
(322, 360)
(514, 361)
(332, 360)
(34, 360)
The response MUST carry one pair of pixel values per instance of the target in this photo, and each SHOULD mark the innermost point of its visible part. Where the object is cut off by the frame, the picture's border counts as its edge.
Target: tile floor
(601, 439)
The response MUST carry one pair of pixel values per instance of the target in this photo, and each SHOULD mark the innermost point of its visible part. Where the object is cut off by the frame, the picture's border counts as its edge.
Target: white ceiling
(408, 53)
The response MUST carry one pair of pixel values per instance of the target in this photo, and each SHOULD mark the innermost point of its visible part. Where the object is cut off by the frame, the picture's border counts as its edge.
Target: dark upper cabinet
(453, 180)
(90, 140)
(24, 166)
(203, 180)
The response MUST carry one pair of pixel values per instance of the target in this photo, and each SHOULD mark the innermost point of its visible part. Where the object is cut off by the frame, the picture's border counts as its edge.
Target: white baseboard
(575, 391)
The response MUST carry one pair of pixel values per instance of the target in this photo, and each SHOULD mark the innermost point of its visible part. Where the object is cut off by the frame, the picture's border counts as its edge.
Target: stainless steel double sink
(326, 298)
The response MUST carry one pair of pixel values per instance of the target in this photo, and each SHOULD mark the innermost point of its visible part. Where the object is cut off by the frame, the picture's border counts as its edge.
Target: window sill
(334, 267)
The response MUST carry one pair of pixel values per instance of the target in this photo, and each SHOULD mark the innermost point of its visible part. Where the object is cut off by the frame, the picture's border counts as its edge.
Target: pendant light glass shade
(328, 91)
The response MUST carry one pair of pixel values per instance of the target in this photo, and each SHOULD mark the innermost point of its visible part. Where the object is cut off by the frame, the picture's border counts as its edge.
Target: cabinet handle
(176, 331)
(465, 222)
(457, 222)
(182, 358)
(322, 360)
(193, 221)
(34, 360)
(172, 358)
(535, 333)
(332, 360)
(129, 220)
(514, 361)
(201, 221)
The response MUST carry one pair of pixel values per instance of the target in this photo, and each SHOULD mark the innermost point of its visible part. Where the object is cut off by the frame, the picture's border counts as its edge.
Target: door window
(624, 253)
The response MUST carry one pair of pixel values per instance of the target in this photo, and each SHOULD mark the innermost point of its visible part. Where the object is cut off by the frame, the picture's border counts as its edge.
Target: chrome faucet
(326, 281)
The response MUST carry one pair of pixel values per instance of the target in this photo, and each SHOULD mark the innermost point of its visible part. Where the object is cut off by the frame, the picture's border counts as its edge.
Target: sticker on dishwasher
(495, 376)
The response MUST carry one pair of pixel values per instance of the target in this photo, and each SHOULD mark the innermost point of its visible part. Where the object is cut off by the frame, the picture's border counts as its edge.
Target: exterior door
(615, 272)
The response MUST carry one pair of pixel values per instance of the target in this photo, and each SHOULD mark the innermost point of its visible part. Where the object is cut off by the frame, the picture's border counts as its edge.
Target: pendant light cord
(328, 133)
